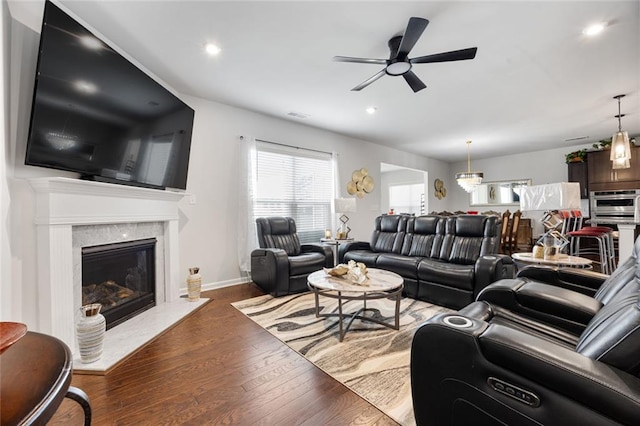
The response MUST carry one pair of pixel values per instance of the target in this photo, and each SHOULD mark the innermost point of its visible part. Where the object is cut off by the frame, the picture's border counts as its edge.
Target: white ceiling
(536, 81)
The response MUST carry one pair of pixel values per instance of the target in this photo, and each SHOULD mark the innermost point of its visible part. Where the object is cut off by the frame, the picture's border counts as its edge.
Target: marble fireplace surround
(71, 213)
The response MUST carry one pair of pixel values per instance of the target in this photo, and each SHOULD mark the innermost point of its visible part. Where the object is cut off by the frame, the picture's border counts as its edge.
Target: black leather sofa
(444, 260)
(530, 352)
(281, 265)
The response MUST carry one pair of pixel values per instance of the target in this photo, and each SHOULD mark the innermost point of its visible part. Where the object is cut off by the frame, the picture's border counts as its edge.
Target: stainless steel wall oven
(615, 207)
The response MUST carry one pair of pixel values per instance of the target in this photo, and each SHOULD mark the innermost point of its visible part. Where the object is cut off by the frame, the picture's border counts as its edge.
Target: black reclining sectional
(532, 352)
(444, 260)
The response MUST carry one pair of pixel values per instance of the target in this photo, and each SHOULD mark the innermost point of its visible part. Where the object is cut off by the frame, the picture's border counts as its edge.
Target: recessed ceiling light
(91, 42)
(371, 110)
(85, 87)
(212, 49)
(594, 29)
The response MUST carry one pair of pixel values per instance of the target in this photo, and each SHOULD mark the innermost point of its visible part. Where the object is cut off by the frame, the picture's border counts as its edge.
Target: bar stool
(604, 238)
(571, 220)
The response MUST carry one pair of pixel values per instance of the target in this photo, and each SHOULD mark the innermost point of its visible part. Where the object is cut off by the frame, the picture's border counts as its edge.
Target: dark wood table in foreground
(35, 374)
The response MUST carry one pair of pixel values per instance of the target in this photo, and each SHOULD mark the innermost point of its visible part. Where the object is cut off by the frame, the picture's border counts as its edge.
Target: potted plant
(603, 144)
(576, 156)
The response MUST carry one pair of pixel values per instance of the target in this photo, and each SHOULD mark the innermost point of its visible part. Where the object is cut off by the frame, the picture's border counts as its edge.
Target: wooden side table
(35, 374)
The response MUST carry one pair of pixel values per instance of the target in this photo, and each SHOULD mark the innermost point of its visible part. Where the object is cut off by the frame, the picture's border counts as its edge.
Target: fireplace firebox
(121, 277)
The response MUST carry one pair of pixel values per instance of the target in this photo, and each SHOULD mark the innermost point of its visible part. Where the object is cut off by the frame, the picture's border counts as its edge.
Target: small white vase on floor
(90, 330)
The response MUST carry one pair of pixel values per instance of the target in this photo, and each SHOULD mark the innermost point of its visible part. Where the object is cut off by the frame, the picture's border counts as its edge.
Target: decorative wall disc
(440, 190)
(361, 183)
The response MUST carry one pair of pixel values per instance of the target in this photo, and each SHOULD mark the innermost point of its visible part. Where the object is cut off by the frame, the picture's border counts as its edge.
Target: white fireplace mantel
(62, 203)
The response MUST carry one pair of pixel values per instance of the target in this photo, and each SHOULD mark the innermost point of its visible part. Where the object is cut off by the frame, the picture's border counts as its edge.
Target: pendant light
(469, 181)
(620, 147)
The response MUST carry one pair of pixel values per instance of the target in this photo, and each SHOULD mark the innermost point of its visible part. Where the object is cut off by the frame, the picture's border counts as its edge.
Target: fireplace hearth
(121, 277)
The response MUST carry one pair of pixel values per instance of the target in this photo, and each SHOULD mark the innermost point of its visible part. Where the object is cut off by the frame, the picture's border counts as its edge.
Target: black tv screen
(97, 114)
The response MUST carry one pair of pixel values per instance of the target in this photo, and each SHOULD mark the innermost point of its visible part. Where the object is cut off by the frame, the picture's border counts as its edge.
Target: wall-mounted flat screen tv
(97, 114)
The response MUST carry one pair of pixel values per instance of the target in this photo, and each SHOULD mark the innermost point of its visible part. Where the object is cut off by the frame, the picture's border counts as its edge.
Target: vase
(90, 330)
(194, 284)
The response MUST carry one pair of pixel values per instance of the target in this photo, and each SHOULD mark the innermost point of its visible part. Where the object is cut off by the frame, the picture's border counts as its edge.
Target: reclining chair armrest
(602, 388)
(352, 245)
(553, 305)
(491, 268)
(270, 269)
(569, 385)
(326, 251)
(581, 280)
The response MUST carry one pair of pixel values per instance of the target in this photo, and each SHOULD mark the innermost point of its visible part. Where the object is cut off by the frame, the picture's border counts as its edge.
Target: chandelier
(620, 148)
(469, 180)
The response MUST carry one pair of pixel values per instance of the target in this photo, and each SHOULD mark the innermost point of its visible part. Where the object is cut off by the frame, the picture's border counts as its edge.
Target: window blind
(408, 198)
(297, 183)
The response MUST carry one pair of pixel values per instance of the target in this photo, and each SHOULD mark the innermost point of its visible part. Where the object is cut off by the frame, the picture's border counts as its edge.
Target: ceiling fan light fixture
(620, 146)
(399, 62)
(469, 180)
(398, 68)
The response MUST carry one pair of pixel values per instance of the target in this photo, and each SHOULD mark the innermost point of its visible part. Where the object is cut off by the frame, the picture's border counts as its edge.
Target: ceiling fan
(400, 64)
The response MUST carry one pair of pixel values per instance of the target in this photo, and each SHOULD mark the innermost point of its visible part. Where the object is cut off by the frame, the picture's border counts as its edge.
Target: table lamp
(547, 198)
(344, 205)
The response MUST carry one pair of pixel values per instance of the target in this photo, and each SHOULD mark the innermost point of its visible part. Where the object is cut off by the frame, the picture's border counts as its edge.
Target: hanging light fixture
(620, 147)
(469, 181)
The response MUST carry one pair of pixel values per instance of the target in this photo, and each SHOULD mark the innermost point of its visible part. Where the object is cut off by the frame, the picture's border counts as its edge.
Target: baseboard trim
(219, 284)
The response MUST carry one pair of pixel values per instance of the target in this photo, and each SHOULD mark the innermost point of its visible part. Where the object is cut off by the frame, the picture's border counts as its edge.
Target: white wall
(5, 252)
(208, 233)
(541, 167)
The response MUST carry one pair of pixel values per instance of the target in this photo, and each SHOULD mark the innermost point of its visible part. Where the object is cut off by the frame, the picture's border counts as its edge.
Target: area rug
(372, 360)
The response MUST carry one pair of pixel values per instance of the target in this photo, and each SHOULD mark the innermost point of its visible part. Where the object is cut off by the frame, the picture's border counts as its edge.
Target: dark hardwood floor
(218, 367)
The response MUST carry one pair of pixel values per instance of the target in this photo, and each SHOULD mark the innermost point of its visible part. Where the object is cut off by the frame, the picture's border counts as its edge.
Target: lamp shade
(345, 205)
(553, 196)
(620, 150)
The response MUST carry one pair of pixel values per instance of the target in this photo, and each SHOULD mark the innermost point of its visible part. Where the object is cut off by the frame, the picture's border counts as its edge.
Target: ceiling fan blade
(455, 55)
(368, 82)
(359, 60)
(413, 81)
(414, 30)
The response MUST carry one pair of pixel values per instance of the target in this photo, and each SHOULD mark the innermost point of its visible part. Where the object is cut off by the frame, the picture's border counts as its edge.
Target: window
(297, 183)
(407, 198)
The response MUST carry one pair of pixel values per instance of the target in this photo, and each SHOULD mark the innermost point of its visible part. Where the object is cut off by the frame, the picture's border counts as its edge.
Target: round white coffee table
(561, 260)
(381, 284)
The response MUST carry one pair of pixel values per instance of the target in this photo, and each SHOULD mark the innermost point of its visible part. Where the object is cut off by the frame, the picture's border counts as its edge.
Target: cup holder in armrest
(457, 321)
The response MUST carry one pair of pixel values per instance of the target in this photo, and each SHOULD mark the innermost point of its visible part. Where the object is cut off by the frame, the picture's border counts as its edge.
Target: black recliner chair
(534, 355)
(281, 265)
(543, 298)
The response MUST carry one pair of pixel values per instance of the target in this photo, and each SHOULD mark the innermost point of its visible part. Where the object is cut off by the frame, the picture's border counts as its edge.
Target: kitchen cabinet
(578, 172)
(602, 177)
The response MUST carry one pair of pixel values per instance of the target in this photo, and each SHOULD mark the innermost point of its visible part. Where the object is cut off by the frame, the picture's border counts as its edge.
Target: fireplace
(121, 277)
(72, 214)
